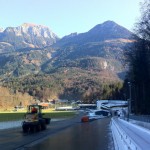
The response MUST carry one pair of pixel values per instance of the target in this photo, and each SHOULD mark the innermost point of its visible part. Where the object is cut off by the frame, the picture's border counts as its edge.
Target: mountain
(27, 36)
(76, 65)
(40, 50)
(106, 31)
(99, 49)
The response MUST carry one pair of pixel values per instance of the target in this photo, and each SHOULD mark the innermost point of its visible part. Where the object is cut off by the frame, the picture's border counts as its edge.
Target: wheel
(25, 128)
(43, 126)
(47, 120)
(32, 128)
(38, 127)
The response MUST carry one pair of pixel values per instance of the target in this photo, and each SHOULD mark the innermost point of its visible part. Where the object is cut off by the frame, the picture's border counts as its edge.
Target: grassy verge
(20, 115)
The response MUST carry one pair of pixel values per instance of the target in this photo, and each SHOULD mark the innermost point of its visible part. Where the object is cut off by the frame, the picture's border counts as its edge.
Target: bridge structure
(110, 104)
(116, 107)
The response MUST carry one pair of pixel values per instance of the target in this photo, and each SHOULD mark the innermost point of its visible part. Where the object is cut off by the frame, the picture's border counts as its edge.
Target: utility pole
(129, 100)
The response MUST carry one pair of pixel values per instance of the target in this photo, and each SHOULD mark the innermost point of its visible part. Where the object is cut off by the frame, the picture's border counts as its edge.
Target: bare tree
(142, 27)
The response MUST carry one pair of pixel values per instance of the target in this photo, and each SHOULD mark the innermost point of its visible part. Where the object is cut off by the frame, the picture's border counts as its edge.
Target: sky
(68, 16)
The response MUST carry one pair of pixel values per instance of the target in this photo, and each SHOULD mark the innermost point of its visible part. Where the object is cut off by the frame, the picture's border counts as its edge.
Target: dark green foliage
(73, 84)
(139, 62)
(139, 76)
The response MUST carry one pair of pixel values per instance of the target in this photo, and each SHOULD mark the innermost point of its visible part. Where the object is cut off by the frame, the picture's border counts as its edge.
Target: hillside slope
(26, 36)
(75, 67)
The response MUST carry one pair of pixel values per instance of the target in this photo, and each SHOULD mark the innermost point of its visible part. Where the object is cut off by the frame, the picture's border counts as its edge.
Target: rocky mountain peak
(110, 30)
(109, 23)
(32, 25)
(29, 25)
(71, 35)
(29, 35)
(38, 30)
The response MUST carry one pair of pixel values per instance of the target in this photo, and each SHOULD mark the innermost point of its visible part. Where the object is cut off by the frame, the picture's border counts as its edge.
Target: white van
(97, 114)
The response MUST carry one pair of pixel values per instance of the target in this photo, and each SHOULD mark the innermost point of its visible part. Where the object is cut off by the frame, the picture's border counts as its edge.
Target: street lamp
(129, 100)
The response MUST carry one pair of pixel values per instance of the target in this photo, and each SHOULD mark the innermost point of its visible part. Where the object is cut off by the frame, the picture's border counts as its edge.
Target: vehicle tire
(47, 120)
(43, 126)
(38, 127)
(25, 129)
(33, 128)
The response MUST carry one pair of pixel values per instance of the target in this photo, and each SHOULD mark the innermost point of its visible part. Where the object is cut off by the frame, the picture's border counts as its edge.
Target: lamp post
(129, 100)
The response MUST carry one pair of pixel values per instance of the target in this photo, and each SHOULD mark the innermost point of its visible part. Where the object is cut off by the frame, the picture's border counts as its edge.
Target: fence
(143, 118)
(121, 140)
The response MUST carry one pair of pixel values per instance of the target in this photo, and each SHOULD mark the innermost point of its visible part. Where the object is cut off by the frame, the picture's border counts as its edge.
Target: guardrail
(143, 118)
(121, 140)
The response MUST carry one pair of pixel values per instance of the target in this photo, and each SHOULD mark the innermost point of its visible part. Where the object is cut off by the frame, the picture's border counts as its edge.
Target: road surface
(70, 134)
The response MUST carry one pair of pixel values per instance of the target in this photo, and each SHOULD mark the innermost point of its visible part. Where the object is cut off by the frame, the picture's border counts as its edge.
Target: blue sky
(67, 16)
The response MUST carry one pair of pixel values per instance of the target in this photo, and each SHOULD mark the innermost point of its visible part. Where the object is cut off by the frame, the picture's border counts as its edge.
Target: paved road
(94, 135)
(70, 134)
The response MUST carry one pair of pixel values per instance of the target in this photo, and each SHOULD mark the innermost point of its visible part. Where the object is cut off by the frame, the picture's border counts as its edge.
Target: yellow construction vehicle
(34, 120)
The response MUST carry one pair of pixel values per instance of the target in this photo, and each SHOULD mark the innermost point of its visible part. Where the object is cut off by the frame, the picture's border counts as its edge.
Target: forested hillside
(11, 98)
(86, 66)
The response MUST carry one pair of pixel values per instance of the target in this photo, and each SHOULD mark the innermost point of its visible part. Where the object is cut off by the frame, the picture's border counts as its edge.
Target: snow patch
(127, 135)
